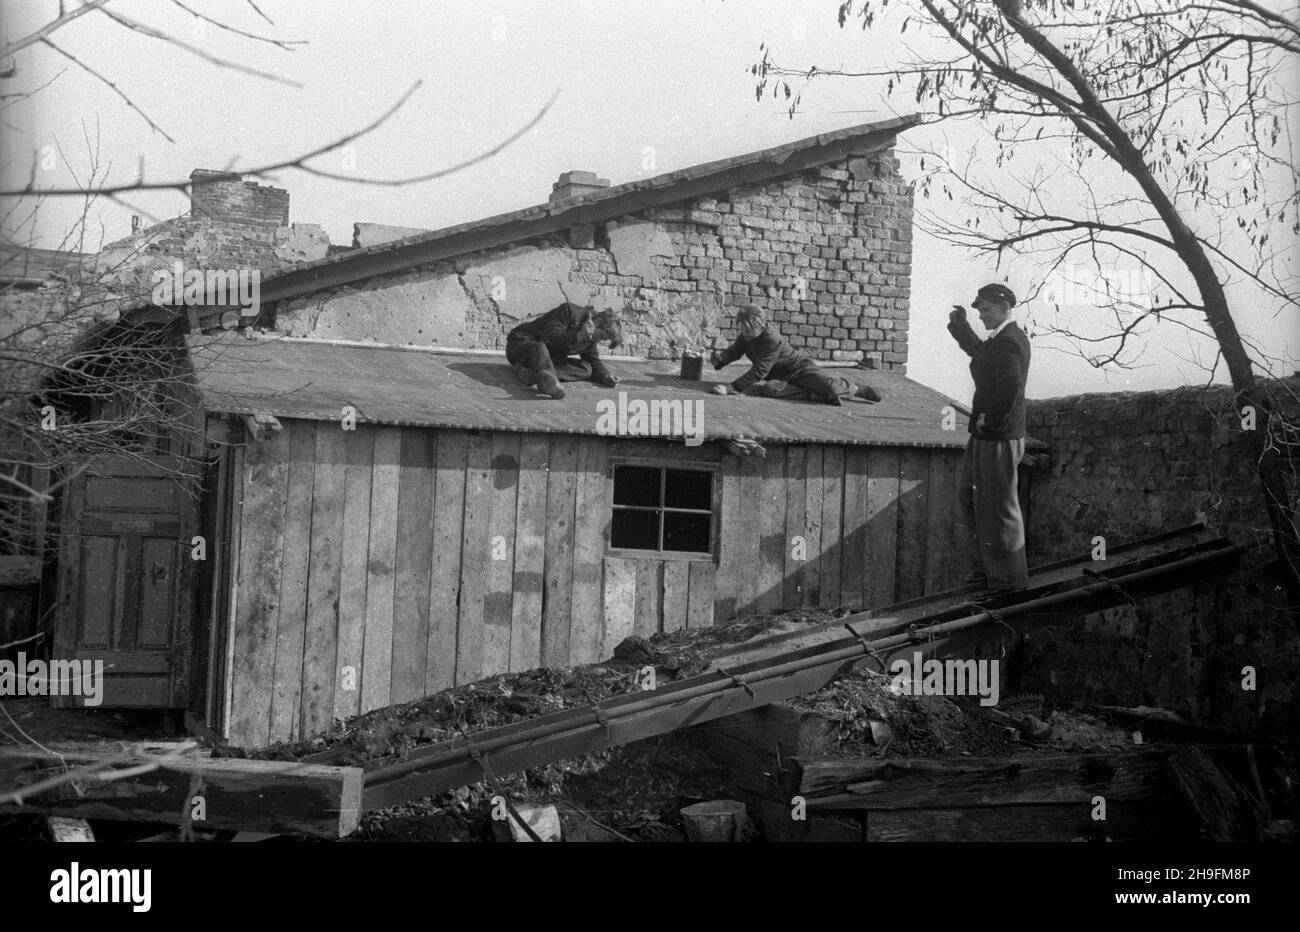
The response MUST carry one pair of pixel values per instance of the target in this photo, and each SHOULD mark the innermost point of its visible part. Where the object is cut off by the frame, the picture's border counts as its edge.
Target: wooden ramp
(765, 671)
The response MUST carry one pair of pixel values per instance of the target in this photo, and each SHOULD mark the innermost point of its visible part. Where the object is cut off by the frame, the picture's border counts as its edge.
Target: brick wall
(221, 196)
(826, 252)
(1130, 464)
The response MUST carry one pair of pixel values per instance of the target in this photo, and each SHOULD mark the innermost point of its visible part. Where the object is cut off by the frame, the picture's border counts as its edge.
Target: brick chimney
(575, 184)
(224, 196)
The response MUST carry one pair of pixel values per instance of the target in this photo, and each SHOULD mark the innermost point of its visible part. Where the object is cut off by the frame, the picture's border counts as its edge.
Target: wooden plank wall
(386, 563)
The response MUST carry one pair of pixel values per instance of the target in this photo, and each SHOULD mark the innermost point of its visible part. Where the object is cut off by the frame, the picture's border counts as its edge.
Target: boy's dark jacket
(561, 329)
(772, 358)
(999, 367)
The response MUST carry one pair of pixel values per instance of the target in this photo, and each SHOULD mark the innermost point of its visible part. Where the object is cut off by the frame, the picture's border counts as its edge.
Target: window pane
(636, 485)
(686, 532)
(688, 488)
(637, 529)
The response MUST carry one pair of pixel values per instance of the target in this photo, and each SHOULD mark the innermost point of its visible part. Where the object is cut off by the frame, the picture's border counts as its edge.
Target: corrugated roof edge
(382, 258)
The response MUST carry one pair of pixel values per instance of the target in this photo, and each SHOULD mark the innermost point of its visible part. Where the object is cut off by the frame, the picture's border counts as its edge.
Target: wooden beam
(260, 426)
(241, 795)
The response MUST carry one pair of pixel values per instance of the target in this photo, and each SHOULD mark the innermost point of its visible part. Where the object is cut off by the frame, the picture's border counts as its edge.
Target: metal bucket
(718, 820)
(692, 366)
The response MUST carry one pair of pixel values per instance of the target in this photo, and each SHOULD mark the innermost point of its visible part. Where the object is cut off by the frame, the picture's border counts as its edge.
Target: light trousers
(990, 511)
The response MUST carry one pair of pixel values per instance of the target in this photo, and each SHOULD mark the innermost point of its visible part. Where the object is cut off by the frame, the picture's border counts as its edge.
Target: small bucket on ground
(717, 820)
(692, 366)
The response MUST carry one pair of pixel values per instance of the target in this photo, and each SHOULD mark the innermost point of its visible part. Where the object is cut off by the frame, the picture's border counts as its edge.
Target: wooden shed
(465, 526)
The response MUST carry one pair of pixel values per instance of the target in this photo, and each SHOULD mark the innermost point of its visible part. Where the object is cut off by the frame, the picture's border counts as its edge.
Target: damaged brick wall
(1129, 464)
(826, 252)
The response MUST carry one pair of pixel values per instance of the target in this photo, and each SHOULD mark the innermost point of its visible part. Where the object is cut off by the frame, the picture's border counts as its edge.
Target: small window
(662, 509)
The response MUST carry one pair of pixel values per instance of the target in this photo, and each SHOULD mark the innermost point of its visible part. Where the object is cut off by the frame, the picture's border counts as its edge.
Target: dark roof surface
(519, 225)
(311, 379)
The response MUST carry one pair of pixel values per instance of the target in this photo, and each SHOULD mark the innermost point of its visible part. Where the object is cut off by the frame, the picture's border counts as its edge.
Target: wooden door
(127, 580)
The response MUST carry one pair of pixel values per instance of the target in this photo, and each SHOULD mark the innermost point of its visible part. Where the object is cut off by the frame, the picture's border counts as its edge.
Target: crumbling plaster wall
(826, 252)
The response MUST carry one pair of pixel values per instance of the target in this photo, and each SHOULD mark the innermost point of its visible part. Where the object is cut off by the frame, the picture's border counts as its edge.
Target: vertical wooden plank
(498, 596)
(620, 592)
(475, 545)
(377, 652)
(771, 521)
(913, 495)
(415, 478)
(238, 485)
(700, 600)
(320, 646)
(291, 626)
(530, 555)
(942, 531)
(649, 597)
(795, 546)
(260, 493)
(359, 455)
(677, 590)
(558, 604)
(882, 526)
(832, 526)
(587, 642)
(853, 531)
(444, 575)
(746, 534)
(726, 584)
(813, 485)
(959, 566)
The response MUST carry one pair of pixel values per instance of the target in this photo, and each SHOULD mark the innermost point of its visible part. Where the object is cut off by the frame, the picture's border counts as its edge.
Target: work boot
(525, 375)
(548, 384)
(868, 393)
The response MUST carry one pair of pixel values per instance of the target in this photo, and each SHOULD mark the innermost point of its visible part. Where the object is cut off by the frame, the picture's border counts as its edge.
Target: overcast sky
(644, 88)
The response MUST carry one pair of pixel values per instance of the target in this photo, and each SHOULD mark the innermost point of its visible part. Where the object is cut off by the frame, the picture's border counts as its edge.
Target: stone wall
(827, 252)
(1127, 465)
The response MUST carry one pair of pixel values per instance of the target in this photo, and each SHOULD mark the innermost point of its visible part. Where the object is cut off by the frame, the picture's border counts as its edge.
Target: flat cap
(998, 292)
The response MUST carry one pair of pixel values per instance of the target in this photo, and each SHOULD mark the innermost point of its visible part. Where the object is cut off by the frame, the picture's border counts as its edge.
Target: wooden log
(1029, 779)
(1210, 793)
(248, 795)
(779, 729)
(1147, 820)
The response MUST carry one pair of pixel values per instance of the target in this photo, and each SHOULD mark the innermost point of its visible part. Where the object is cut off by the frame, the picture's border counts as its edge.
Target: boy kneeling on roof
(779, 370)
(563, 346)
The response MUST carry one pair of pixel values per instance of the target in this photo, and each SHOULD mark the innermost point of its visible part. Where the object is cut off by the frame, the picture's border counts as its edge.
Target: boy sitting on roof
(779, 370)
(542, 351)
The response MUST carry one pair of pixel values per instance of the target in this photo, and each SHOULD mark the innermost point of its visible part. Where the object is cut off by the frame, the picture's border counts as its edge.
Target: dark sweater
(999, 367)
(561, 329)
(772, 358)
